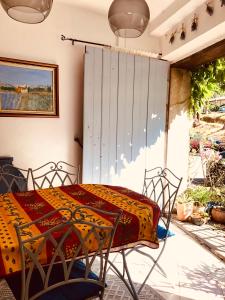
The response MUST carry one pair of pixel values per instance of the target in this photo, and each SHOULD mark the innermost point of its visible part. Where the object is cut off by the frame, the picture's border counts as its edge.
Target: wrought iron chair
(161, 186)
(13, 179)
(54, 174)
(64, 276)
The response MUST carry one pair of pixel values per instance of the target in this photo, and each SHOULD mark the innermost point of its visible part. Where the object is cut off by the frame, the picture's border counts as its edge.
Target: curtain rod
(63, 38)
(129, 51)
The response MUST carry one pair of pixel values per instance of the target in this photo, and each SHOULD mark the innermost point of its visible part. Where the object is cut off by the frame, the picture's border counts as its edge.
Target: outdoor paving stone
(206, 235)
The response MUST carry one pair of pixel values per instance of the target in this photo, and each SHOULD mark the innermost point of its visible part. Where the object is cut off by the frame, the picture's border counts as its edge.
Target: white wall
(179, 124)
(34, 141)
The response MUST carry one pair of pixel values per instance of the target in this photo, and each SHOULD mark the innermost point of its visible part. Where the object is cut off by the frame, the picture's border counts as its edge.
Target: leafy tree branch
(207, 81)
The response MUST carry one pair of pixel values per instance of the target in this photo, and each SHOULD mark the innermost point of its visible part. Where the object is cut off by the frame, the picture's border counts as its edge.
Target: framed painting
(28, 89)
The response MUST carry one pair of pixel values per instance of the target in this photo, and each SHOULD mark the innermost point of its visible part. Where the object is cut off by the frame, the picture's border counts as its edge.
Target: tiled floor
(211, 236)
(193, 273)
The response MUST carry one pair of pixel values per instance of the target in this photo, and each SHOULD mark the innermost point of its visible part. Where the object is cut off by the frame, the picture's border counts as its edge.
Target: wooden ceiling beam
(202, 57)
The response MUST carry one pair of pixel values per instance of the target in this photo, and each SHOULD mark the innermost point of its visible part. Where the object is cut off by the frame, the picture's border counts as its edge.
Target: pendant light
(128, 18)
(27, 11)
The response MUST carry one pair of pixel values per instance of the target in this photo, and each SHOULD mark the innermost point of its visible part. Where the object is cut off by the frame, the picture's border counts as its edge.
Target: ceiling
(102, 6)
(162, 16)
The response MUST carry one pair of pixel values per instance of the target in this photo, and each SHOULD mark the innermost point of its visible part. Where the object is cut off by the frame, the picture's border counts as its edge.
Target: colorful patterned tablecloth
(138, 222)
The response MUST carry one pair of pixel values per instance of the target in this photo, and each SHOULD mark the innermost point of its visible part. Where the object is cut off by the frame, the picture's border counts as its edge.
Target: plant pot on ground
(198, 207)
(199, 199)
(184, 208)
(218, 214)
(197, 219)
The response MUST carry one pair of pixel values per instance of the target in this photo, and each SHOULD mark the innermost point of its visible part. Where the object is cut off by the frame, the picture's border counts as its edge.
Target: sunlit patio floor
(192, 272)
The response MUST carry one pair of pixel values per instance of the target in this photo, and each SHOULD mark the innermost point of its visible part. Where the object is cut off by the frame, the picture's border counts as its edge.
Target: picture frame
(28, 89)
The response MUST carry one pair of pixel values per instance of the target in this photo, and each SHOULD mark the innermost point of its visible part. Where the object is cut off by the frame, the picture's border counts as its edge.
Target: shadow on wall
(131, 172)
(152, 153)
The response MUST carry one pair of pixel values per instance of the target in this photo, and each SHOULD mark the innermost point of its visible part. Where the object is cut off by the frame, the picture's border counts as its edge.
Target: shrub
(215, 174)
(203, 194)
(200, 194)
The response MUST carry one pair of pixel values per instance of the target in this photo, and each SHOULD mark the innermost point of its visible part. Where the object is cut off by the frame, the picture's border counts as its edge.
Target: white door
(125, 99)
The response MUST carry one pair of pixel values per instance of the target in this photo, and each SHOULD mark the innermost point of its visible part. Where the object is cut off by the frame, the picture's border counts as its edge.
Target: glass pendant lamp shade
(128, 18)
(27, 11)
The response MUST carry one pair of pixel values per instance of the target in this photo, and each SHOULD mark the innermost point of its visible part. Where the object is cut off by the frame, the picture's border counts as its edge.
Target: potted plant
(184, 206)
(216, 178)
(199, 218)
(200, 196)
(217, 208)
(218, 213)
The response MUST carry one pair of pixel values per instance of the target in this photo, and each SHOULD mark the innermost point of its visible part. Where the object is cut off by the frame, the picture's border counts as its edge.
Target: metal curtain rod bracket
(63, 38)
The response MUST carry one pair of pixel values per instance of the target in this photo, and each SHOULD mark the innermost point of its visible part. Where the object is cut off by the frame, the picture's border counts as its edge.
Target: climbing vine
(207, 81)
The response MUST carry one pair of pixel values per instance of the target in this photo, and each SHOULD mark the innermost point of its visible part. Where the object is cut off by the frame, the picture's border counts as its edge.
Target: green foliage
(203, 194)
(213, 107)
(184, 198)
(199, 194)
(207, 81)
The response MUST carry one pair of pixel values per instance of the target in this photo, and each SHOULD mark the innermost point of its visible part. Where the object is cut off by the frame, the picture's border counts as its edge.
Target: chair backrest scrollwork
(162, 186)
(54, 174)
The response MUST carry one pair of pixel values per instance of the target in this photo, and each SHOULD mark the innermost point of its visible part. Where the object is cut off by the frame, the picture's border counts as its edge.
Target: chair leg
(112, 262)
(152, 268)
(128, 283)
(101, 296)
(149, 256)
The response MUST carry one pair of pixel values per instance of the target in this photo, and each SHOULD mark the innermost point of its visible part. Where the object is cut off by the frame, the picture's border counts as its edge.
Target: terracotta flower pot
(218, 214)
(184, 210)
(197, 219)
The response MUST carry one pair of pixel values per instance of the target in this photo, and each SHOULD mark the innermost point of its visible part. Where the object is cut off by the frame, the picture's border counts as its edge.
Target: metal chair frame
(161, 186)
(12, 181)
(30, 257)
(46, 175)
(168, 184)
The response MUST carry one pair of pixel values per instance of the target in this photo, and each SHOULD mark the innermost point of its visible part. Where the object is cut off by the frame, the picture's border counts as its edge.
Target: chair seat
(72, 291)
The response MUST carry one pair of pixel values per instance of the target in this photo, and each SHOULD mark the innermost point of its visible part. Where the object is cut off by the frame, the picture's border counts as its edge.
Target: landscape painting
(28, 88)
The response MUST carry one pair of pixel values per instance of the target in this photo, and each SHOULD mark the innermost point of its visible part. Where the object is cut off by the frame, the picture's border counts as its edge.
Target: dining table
(137, 225)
